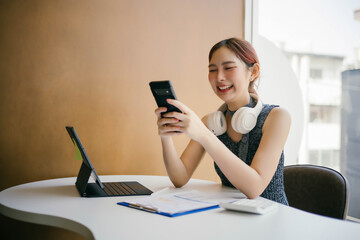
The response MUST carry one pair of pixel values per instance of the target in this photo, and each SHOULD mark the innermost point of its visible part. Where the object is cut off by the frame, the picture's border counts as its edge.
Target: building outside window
(318, 54)
(315, 73)
(321, 40)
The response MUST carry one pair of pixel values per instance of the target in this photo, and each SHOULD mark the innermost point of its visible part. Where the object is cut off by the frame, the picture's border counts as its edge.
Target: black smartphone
(163, 90)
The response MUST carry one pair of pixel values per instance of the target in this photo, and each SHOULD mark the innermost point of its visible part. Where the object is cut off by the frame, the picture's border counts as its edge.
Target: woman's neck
(242, 101)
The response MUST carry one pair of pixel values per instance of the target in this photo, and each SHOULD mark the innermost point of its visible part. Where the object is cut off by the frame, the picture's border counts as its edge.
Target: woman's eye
(212, 70)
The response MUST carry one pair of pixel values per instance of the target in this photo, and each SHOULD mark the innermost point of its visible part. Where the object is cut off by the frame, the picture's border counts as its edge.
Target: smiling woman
(251, 160)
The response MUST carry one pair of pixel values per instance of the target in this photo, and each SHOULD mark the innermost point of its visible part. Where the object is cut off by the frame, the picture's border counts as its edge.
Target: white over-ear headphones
(243, 120)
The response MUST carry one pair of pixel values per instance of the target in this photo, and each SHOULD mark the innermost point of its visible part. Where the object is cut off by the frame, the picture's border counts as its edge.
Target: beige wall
(88, 64)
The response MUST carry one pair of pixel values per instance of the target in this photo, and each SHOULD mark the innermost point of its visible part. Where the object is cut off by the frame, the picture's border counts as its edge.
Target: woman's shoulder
(274, 110)
(277, 116)
(279, 112)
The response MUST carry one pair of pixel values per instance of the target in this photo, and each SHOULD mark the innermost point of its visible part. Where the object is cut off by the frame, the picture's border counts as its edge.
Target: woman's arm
(253, 180)
(179, 169)
(250, 180)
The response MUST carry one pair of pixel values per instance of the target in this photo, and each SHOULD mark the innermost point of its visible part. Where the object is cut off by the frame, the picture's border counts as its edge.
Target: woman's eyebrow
(224, 63)
(227, 62)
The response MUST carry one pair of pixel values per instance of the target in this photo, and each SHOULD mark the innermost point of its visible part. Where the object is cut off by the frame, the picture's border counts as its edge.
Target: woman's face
(229, 77)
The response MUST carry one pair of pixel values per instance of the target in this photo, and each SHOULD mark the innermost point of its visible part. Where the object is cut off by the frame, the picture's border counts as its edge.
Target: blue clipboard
(126, 204)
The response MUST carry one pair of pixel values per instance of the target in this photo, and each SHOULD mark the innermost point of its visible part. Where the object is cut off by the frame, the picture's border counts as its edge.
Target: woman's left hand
(189, 122)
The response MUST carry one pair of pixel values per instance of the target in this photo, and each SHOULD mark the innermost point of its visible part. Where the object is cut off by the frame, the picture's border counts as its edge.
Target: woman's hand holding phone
(166, 125)
(174, 117)
(186, 121)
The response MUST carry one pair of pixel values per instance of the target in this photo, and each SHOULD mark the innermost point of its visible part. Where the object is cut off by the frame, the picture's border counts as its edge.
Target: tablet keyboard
(257, 206)
(117, 188)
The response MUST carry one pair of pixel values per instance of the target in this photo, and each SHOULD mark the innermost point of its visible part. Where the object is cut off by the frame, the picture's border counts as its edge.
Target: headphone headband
(257, 107)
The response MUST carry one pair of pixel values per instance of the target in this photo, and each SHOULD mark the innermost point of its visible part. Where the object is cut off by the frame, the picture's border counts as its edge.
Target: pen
(160, 191)
(142, 207)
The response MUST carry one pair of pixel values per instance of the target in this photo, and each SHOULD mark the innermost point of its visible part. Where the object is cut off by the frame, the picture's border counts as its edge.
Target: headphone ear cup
(244, 120)
(216, 122)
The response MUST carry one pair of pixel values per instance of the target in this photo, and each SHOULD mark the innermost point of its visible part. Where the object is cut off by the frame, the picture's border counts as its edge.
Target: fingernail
(168, 99)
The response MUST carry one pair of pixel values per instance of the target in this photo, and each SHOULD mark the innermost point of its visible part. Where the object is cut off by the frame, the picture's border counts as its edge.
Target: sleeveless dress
(246, 148)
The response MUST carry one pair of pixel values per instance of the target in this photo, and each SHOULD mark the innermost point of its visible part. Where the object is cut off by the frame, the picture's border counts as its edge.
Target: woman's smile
(224, 88)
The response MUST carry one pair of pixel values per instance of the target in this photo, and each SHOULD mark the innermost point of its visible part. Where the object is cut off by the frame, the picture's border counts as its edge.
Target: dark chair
(317, 189)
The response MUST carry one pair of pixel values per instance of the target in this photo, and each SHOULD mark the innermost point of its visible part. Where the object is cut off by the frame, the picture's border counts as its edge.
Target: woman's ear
(254, 74)
(255, 71)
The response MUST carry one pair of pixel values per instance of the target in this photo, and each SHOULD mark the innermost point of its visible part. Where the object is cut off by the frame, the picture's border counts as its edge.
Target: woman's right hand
(167, 127)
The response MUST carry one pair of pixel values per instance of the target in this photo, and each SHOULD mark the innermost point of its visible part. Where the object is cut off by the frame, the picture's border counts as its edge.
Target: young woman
(251, 162)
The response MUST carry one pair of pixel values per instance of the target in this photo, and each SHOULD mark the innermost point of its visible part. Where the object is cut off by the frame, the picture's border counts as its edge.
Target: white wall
(279, 85)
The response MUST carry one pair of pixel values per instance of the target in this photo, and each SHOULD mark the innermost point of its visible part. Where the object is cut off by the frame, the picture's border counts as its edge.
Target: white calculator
(258, 205)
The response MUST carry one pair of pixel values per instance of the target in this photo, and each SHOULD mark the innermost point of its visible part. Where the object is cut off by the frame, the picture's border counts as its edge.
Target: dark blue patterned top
(246, 148)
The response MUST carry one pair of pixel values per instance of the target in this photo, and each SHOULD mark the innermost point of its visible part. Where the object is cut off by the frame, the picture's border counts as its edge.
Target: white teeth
(226, 87)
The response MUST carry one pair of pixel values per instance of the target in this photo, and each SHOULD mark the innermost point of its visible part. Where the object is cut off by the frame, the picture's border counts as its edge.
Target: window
(325, 57)
(324, 157)
(315, 73)
(319, 50)
(324, 114)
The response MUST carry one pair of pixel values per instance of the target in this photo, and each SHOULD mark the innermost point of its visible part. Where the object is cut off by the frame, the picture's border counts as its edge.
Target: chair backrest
(317, 189)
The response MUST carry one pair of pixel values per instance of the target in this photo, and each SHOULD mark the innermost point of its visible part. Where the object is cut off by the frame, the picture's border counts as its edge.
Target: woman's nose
(220, 76)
